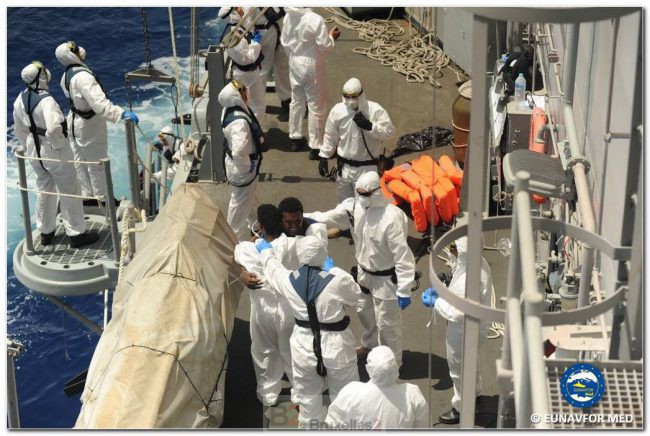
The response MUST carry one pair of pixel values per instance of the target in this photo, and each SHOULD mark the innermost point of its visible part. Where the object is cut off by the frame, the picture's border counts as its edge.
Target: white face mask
(363, 202)
(352, 103)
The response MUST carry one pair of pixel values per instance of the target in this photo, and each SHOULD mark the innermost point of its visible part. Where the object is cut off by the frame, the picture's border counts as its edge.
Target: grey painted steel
(163, 185)
(110, 206)
(24, 200)
(146, 178)
(552, 15)
(131, 151)
(475, 185)
(59, 270)
(147, 75)
(515, 338)
(75, 314)
(214, 152)
(13, 413)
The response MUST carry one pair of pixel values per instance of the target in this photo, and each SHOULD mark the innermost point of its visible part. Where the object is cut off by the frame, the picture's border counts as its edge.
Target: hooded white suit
(50, 176)
(88, 137)
(344, 138)
(455, 318)
(339, 357)
(379, 231)
(306, 38)
(381, 403)
(243, 200)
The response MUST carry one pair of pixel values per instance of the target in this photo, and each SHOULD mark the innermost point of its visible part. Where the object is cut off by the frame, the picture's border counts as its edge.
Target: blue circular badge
(582, 385)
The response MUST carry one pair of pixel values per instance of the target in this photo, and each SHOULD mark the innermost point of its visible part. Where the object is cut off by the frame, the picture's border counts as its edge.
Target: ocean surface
(57, 347)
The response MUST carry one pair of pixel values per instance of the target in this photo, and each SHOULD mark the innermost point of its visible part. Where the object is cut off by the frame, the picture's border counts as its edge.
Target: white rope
(417, 57)
(59, 194)
(124, 243)
(177, 71)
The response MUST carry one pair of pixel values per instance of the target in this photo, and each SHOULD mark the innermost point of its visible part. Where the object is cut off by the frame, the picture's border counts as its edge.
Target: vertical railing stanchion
(13, 416)
(131, 152)
(110, 206)
(146, 178)
(24, 197)
(163, 185)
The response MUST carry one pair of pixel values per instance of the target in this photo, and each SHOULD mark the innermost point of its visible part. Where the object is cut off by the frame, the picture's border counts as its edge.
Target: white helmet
(35, 75)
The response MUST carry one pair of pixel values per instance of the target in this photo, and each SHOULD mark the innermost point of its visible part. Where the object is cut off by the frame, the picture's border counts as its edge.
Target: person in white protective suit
(40, 125)
(355, 131)
(89, 110)
(381, 403)
(322, 345)
(170, 147)
(244, 139)
(455, 323)
(246, 58)
(271, 321)
(386, 266)
(276, 59)
(305, 36)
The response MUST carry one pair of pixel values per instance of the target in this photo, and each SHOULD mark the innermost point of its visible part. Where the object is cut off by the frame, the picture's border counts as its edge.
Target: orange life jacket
(537, 120)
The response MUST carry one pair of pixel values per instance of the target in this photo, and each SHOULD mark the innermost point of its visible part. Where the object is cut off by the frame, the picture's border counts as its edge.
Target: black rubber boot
(46, 238)
(83, 239)
(313, 154)
(285, 105)
(297, 144)
(451, 417)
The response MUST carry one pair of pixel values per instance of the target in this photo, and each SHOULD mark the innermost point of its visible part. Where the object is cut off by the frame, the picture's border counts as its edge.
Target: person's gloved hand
(403, 302)
(157, 145)
(329, 264)
(429, 297)
(257, 37)
(262, 245)
(323, 167)
(130, 115)
(363, 122)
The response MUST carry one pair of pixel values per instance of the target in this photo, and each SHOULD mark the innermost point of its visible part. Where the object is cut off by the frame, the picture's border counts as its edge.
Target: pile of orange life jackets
(418, 182)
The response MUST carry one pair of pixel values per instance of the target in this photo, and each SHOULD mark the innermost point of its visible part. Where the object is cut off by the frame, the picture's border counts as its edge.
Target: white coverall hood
(167, 137)
(225, 11)
(67, 57)
(354, 87)
(229, 96)
(370, 182)
(29, 73)
(311, 251)
(382, 366)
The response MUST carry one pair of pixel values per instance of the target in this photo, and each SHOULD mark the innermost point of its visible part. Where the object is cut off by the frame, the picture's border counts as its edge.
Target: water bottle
(520, 91)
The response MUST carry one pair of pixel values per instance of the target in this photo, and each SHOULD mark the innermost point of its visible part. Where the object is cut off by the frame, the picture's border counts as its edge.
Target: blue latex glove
(262, 245)
(403, 302)
(329, 264)
(257, 37)
(429, 297)
(130, 115)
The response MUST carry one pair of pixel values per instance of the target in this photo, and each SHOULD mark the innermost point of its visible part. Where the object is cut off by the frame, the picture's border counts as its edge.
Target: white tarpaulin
(160, 361)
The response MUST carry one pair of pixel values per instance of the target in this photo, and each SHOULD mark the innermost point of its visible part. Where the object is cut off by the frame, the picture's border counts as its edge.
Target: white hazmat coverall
(379, 231)
(381, 403)
(305, 36)
(271, 324)
(344, 138)
(275, 56)
(455, 318)
(243, 200)
(338, 347)
(51, 176)
(246, 54)
(88, 137)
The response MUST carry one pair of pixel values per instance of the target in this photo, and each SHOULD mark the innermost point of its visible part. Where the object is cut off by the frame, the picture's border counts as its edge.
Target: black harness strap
(337, 326)
(237, 113)
(391, 272)
(31, 98)
(70, 71)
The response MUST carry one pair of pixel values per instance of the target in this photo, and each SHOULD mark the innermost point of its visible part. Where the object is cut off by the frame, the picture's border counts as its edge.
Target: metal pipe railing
(110, 206)
(515, 340)
(131, 153)
(146, 178)
(24, 199)
(14, 349)
(163, 184)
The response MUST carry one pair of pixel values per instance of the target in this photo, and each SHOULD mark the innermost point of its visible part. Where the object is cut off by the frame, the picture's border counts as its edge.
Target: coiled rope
(124, 243)
(418, 57)
(177, 71)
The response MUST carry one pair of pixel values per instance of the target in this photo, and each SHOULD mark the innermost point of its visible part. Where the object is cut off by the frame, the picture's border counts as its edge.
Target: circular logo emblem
(582, 385)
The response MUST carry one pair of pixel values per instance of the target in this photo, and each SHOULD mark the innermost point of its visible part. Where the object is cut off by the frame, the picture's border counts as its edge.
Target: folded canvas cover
(161, 360)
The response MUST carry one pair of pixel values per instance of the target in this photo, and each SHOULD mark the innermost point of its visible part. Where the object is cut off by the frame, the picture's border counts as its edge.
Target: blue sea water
(57, 347)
